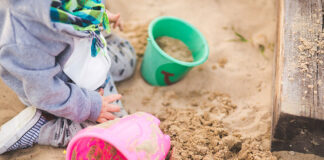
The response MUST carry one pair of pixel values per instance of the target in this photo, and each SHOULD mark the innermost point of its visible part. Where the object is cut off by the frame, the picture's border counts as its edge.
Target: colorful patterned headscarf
(83, 15)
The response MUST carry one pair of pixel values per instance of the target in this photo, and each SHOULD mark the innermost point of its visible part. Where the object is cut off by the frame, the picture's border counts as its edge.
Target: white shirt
(87, 71)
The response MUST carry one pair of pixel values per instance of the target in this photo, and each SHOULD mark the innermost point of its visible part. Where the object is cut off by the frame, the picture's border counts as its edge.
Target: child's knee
(123, 58)
(58, 132)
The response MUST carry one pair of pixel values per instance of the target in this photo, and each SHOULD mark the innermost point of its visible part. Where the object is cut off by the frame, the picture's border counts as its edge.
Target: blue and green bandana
(85, 16)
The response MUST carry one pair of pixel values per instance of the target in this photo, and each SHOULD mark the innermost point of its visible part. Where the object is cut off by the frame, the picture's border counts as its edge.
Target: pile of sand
(137, 35)
(196, 133)
(175, 48)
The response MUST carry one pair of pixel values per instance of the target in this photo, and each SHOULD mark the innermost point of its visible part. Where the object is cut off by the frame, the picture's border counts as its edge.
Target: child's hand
(115, 19)
(107, 108)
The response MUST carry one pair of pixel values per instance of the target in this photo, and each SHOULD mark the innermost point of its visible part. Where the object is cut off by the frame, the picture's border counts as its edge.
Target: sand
(175, 48)
(234, 85)
(197, 133)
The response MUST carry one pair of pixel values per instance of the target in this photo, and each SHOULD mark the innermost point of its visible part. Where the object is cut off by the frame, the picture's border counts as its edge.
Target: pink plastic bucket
(134, 137)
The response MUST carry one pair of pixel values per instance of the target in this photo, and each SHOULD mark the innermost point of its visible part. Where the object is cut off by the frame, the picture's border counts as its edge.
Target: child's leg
(59, 131)
(123, 57)
(32, 126)
(109, 89)
(123, 63)
(22, 131)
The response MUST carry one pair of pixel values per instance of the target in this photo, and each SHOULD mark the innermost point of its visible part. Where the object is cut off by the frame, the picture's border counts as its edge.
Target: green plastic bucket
(160, 69)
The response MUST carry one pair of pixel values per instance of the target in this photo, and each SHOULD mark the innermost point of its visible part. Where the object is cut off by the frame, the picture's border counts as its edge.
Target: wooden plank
(298, 104)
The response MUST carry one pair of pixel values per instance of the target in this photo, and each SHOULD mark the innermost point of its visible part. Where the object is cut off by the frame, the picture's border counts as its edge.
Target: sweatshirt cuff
(96, 103)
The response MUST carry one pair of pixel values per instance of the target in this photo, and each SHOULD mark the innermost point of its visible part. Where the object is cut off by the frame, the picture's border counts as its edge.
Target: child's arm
(38, 70)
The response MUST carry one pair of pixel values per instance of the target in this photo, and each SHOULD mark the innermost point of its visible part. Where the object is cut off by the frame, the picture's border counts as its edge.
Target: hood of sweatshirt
(38, 10)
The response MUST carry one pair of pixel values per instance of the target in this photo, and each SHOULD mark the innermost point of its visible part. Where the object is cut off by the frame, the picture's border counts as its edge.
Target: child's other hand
(115, 20)
(107, 108)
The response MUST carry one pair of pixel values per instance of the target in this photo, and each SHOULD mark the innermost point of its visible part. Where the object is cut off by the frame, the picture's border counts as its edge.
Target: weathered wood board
(298, 103)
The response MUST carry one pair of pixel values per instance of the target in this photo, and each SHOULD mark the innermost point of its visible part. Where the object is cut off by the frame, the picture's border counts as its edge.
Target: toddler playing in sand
(53, 55)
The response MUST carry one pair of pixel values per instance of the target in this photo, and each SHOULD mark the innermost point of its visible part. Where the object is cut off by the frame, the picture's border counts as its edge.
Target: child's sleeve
(38, 70)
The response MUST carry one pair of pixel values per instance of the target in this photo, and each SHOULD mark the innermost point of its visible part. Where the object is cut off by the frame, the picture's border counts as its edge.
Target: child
(53, 55)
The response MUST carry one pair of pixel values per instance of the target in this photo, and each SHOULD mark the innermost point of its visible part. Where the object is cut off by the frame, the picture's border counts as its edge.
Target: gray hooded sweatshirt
(32, 53)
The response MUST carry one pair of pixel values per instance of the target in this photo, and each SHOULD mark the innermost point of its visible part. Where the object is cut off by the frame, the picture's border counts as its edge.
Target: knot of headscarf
(83, 15)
